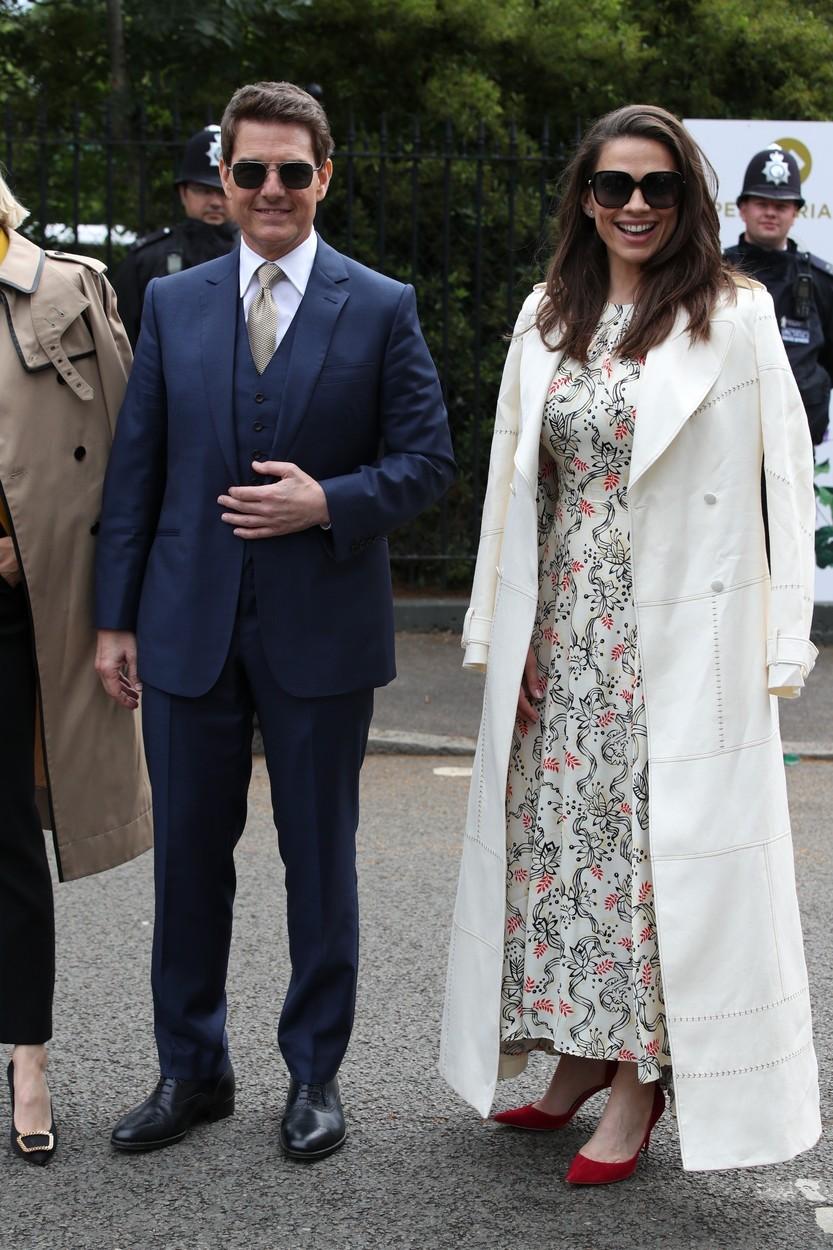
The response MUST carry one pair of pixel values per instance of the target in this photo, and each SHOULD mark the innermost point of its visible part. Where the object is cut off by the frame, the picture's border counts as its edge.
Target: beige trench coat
(64, 359)
(718, 638)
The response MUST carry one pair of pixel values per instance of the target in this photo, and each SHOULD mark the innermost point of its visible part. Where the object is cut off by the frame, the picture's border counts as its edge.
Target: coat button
(60, 379)
(710, 498)
(259, 398)
(80, 453)
(94, 528)
(258, 426)
(717, 587)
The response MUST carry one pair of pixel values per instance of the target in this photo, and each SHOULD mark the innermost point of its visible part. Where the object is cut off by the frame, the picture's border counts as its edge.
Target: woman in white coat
(627, 897)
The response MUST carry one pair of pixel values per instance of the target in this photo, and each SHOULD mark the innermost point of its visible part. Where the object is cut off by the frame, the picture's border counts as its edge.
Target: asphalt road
(420, 1169)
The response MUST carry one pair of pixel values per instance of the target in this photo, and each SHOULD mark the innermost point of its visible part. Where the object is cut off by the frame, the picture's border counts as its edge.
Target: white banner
(730, 145)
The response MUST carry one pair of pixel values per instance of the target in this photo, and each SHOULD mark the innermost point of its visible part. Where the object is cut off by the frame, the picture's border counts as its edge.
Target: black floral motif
(581, 963)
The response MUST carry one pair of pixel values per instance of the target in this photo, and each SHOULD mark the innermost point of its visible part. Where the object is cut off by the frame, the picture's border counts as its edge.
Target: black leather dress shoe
(313, 1122)
(170, 1111)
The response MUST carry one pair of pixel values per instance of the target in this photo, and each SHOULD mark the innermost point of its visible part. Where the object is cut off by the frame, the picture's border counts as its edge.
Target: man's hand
(115, 663)
(295, 502)
(9, 568)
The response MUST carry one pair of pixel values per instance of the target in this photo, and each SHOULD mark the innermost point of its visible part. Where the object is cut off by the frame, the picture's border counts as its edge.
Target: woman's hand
(532, 687)
(9, 567)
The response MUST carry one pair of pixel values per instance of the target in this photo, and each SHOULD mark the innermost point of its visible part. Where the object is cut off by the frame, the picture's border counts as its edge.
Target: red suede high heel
(535, 1121)
(584, 1171)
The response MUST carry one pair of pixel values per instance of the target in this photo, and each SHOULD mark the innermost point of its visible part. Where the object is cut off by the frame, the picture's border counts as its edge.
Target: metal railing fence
(465, 220)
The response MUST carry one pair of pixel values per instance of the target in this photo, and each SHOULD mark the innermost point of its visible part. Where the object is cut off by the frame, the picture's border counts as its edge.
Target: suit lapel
(218, 327)
(315, 321)
(675, 380)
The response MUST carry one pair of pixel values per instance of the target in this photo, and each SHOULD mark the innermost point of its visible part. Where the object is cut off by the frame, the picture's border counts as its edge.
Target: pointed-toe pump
(584, 1171)
(535, 1121)
(36, 1148)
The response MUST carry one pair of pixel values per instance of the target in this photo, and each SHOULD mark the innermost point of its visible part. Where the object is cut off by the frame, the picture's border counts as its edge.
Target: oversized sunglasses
(295, 175)
(613, 188)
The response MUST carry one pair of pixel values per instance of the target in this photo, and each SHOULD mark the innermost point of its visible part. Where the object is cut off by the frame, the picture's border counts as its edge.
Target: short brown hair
(688, 272)
(277, 102)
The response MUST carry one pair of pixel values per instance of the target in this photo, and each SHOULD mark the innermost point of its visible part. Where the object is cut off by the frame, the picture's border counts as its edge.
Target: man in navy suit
(283, 415)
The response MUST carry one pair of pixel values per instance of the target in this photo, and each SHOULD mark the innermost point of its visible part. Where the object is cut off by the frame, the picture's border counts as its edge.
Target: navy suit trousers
(199, 757)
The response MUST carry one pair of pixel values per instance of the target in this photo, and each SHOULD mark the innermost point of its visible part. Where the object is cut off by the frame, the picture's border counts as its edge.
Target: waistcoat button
(80, 453)
(717, 587)
(710, 498)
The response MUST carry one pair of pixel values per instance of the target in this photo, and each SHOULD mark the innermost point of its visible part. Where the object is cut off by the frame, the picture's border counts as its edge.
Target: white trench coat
(718, 638)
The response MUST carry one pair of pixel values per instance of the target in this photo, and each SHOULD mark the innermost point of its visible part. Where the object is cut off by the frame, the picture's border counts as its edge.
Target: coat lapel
(538, 366)
(675, 380)
(315, 320)
(218, 328)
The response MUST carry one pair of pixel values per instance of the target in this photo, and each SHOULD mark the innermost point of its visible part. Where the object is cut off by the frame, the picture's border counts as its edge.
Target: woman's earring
(589, 212)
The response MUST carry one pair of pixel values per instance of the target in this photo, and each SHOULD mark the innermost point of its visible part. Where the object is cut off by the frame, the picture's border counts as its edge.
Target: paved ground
(420, 1168)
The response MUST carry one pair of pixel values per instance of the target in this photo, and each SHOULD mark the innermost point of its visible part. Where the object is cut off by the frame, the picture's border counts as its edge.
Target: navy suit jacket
(362, 413)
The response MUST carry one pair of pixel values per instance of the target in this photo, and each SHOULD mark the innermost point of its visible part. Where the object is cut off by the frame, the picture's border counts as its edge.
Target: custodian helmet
(773, 175)
(201, 159)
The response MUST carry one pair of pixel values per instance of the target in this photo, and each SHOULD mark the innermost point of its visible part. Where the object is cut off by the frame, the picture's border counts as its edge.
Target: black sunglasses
(295, 175)
(613, 188)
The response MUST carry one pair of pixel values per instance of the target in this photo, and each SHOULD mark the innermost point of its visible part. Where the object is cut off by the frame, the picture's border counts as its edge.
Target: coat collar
(676, 377)
(23, 265)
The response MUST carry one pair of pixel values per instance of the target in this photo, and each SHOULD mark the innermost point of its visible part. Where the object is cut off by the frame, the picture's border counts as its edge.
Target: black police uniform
(801, 286)
(175, 247)
(166, 251)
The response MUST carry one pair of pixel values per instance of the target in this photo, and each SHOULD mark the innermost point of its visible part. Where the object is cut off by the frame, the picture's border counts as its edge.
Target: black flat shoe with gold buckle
(37, 1148)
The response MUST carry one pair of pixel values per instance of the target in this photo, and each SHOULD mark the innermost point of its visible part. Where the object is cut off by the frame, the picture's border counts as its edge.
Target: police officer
(205, 233)
(800, 284)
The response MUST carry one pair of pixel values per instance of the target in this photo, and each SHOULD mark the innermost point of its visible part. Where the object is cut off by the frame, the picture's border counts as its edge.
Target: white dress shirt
(289, 290)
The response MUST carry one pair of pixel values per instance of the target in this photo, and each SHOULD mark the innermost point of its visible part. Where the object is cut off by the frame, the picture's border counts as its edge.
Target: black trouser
(27, 924)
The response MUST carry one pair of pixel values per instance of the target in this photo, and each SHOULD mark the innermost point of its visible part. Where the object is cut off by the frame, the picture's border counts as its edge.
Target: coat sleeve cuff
(476, 656)
(786, 680)
(477, 634)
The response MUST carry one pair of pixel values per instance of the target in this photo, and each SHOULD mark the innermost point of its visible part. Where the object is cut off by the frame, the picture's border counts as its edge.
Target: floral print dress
(581, 966)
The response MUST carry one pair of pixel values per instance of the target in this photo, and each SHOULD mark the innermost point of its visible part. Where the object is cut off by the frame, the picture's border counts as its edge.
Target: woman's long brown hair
(687, 272)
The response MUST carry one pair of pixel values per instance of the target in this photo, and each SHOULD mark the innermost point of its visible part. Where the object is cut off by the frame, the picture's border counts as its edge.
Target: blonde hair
(12, 213)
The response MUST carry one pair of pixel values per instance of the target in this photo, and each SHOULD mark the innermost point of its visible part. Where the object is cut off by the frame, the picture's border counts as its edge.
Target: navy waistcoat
(257, 400)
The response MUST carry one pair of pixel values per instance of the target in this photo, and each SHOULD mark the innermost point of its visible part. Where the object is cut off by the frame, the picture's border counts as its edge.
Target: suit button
(258, 426)
(95, 527)
(60, 379)
(717, 587)
(710, 498)
(80, 453)
(259, 398)
(258, 455)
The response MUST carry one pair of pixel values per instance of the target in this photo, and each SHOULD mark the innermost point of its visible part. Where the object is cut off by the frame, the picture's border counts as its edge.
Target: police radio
(803, 293)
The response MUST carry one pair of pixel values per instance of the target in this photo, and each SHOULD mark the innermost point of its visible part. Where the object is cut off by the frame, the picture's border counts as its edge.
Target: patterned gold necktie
(263, 316)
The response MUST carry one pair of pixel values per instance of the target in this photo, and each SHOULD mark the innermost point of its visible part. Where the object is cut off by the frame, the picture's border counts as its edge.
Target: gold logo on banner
(801, 153)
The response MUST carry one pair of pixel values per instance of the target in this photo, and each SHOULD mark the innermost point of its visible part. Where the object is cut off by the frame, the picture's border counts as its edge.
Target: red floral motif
(559, 513)
(603, 966)
(529, 985)
(544, 1004)
(551, 765)
(576, 566)
(618, 651)
(564, 1008)
(652, 1047)
(520, 874)
(606, 718)
(522, 726)
(554, 580)
(527, 820)
(565, 582)
(572, 761)
(647, 932)
(626, 809)
(611, 481)
(607, 365)
(580, 465)
(547, 469)
(647, 975)
(544, 882)
(627, 943)
(596, 871)
(541, 948)
(610, 903)
(549, 634)
(627, 695)
(644, 891)
(513, 923)
(627, 1055)
(586, 507)
(621, 431)
(558, 383)
(607, 620)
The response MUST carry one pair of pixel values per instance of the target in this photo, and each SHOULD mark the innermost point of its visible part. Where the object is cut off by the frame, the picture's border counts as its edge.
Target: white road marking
(811, 1191)
(824, 1219)
(449, 770)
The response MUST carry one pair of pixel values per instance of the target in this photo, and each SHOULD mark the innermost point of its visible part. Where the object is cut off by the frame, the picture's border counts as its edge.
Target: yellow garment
(5, 521)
